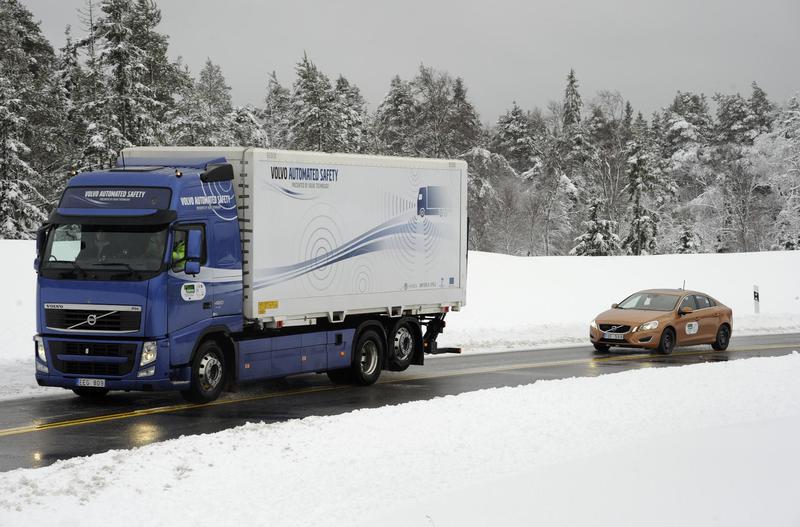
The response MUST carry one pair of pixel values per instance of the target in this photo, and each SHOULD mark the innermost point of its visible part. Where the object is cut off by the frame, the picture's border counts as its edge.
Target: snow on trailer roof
(196, 153)
(149, 163)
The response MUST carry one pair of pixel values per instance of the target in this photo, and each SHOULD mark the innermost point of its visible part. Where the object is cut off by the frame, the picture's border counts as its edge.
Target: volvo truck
(198, 269)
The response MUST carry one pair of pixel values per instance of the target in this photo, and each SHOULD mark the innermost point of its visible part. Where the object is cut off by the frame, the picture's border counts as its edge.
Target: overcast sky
(505, 50)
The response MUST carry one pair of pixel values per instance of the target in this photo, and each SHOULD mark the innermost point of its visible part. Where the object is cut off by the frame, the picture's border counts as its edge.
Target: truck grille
(106, 320)
(617, 329)
(87, 358)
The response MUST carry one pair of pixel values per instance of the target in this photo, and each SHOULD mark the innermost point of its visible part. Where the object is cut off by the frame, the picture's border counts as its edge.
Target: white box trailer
(333, 235)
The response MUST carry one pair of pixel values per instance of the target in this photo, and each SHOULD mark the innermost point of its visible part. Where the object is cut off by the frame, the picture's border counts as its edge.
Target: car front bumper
(639, 339)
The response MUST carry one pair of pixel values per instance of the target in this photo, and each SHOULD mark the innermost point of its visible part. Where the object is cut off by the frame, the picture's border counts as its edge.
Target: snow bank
(706, 444)
(512, 302)
(521, 303)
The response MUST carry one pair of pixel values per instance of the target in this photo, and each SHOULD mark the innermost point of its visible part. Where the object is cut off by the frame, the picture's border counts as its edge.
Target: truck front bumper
(117, 363)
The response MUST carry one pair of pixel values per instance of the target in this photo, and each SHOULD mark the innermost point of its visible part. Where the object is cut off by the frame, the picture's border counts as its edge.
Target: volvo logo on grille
(91, 319)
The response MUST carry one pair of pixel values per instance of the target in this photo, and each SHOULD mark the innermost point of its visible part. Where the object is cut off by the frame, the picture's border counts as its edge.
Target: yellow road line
(467, 371)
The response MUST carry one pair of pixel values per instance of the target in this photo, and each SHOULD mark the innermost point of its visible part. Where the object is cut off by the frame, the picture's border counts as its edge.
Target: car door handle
(206, 305)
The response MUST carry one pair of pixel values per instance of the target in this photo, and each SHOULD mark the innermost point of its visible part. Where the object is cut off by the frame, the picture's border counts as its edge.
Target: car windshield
(650, 302)
(116, 248)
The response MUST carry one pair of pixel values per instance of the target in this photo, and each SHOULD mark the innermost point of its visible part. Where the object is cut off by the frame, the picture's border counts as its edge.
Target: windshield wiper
(73, 262)
(105, 264)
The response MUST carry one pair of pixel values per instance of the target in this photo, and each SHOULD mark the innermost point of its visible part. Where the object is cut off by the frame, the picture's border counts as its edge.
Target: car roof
(673, 292)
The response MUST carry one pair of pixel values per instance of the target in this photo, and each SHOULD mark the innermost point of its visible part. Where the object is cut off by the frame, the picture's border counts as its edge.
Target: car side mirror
(614, 306)
(685, 310)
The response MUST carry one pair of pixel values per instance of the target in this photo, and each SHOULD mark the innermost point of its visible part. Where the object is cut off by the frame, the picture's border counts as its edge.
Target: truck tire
(667, 342)
(403, 343)
(208, 374)
(90, 394)
(368, 357)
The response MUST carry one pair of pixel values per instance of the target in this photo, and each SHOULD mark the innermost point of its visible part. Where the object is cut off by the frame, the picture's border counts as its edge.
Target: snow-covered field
(709, 444)
(512, 302)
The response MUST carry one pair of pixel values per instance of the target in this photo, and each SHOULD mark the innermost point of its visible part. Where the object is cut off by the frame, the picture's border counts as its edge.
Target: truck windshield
(104, 251)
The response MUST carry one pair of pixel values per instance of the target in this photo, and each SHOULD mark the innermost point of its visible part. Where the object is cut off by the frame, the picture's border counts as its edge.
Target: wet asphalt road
(39, 431)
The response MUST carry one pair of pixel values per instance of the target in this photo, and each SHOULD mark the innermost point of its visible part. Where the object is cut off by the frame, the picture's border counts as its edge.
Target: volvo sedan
(661, 319)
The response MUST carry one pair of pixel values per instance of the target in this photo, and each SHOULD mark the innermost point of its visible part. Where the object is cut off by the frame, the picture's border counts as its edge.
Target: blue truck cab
(140, 287)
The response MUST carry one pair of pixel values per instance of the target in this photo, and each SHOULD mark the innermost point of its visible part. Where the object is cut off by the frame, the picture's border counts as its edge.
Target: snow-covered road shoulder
(690, 443)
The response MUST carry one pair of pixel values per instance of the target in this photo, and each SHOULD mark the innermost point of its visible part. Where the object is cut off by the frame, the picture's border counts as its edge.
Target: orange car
(660, 319)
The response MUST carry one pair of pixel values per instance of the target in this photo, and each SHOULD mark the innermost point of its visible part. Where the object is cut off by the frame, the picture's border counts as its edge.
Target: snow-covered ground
(512, 302)
(709, 444)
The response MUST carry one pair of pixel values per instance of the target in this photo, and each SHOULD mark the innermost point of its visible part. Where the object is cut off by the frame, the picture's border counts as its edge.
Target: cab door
(188, 296)
(707, 317)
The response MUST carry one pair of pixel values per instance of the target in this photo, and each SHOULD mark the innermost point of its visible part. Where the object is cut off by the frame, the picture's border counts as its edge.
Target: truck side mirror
(194, 251)
(685, 310)
(614, 306)
(41, 238)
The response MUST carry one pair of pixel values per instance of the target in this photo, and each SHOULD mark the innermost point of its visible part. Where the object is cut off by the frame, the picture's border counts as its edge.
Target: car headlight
(149, 353)
(593, 324)
(40, 349)
(648, 326)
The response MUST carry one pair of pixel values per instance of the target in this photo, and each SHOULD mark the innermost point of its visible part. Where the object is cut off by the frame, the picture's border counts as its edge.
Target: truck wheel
(402, 344)
(723, 338)
(667, 343)
(208, 374)
(367, 358)
(93, 394)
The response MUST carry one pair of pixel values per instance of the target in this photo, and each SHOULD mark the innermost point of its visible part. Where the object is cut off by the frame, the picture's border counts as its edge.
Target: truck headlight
(40, 353)
(149, 353)
(647, 326)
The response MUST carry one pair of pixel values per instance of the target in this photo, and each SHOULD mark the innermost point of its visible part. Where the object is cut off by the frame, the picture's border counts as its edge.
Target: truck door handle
(206, 305)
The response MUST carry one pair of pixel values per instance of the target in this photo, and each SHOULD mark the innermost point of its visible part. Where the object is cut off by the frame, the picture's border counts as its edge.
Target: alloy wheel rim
(210, 371)
(403, 343)
(369, 357)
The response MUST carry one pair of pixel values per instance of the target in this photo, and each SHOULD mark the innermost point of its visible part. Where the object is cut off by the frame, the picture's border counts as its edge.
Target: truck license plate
(613, 336)
(93, 383)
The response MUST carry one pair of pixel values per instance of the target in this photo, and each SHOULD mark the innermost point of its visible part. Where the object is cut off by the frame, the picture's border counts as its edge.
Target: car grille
(617, 329)
(64, 353)
(104, 320)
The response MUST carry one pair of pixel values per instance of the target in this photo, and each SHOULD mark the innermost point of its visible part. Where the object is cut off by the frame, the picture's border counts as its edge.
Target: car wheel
(723, 338)
(667, 342)
(602, 348)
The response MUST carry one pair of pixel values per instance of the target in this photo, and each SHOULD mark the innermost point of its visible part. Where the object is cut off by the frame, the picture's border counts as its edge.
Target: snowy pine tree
(572, 101)
(350, 112)
(314, 119)
(598, 238)
(463, 126)
(513, 139)
(277, 113)
(245, 128)
(203, 116)
(20, 202)
(687, 241)
(395, 118)
(643, 221)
